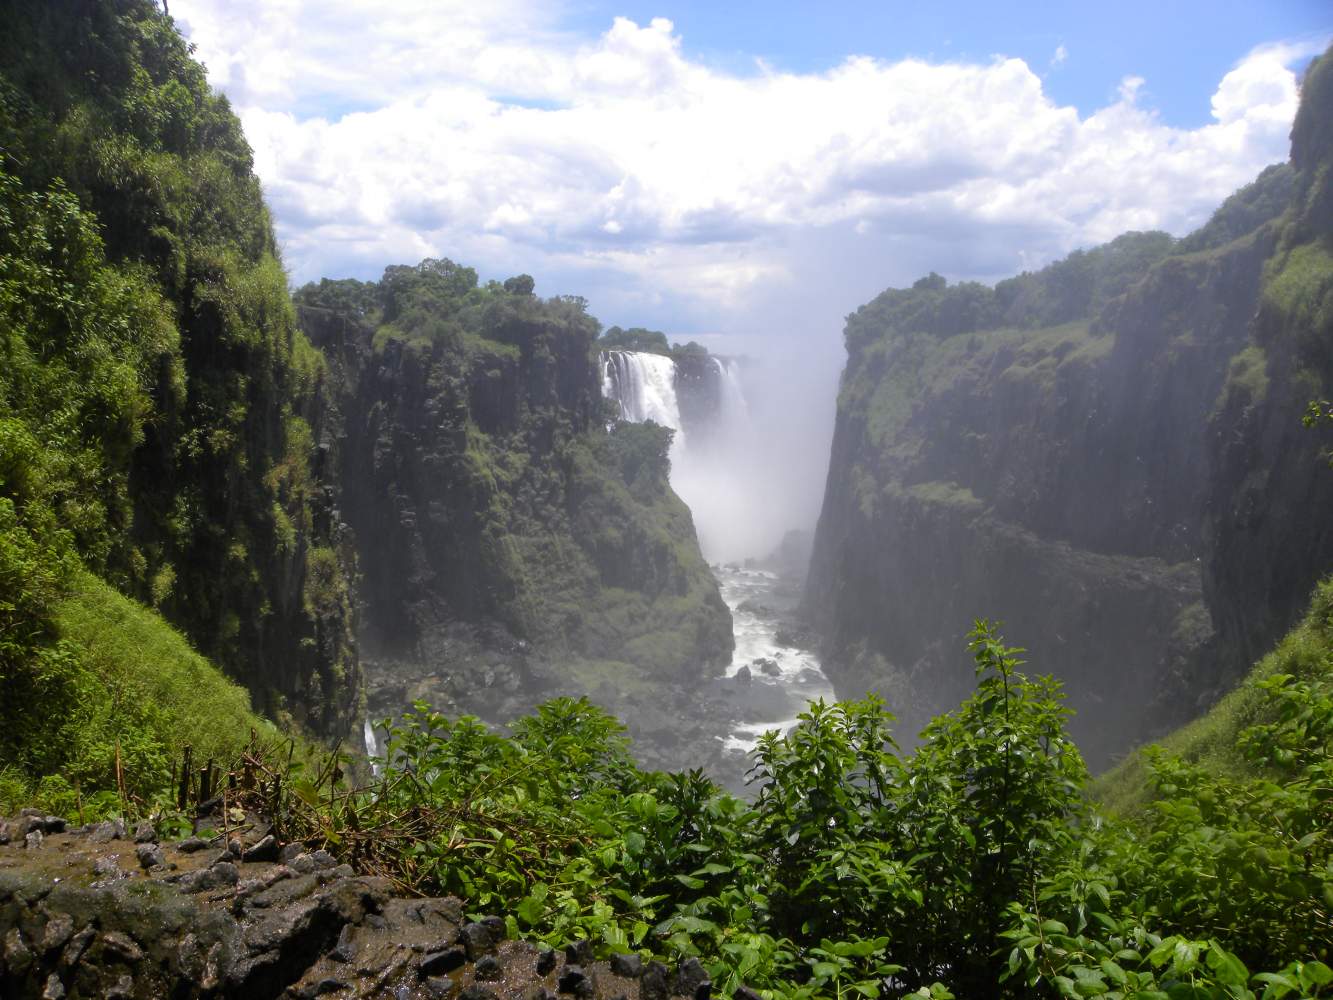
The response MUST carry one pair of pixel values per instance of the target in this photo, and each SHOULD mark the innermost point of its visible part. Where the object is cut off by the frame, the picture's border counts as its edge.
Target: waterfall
(733, 411)
(645, 387)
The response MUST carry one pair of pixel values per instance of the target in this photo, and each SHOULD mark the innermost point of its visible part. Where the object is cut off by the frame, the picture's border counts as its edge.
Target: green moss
(1299, 284)
(950, 495)
(1247, 380)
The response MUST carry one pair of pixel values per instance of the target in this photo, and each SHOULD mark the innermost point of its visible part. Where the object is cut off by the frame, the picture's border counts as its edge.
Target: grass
(1211, 740)
(129, 683)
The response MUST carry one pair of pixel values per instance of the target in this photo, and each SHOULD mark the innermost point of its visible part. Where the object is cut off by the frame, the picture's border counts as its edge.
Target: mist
(760, 473)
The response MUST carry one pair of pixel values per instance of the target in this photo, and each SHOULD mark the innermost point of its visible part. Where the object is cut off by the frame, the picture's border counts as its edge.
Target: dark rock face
(302, 930)
(1131, 492)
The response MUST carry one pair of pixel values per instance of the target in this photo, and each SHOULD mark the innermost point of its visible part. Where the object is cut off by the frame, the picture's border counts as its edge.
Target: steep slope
(158, 407)
(510, 544)
(1082, 452)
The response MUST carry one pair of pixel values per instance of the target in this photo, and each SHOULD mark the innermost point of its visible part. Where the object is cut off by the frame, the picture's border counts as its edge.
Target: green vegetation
(156, 399)
(484, 401)
(975, 866)
(634, 339)
(114, 687)
(1067, 291)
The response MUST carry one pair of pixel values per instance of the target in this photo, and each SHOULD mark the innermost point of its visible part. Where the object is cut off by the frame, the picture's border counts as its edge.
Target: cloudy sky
(710, 168)
(746, 173)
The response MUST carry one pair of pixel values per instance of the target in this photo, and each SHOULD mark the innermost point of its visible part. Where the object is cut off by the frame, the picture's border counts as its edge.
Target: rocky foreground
(102, 911)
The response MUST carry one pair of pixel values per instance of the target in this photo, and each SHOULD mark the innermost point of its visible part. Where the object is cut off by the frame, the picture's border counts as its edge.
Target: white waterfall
(733, 410)
(645, 387)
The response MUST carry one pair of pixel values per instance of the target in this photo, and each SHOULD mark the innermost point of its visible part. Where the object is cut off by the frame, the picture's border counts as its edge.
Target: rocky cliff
(1107, 454)
(510, 544)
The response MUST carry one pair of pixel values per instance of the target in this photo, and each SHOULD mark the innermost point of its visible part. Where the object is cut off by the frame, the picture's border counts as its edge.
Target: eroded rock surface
(82, 917)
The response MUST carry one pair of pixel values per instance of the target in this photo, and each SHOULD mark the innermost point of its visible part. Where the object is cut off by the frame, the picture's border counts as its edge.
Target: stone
(53, 824)
(538, 992)
(497, 927)
(323, 859)
(108, 868)
(121, 947)
(103, 833)
(191, 844)
(654, 983)
(76, 947)
(33, 840)
(219, 874)
(18, 956)
(145, 834)
(745, 993)
(704, 990)
(265, 850)
(579, 953)
(545, 961)
(345, 949)
(54, 989)
(488, 968)
(477, 939)
(477, 992)
(150, 855)
(574, 980)
(59, 929)
(4, 833)
(630, 966)
(437, 963)
(290, 851)
(743, 675)
(439, 987)
(122, 989)
(689, 974)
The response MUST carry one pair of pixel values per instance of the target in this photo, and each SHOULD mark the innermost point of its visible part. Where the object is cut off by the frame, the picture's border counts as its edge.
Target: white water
(645, 387)
(799, 678)
(718, 479)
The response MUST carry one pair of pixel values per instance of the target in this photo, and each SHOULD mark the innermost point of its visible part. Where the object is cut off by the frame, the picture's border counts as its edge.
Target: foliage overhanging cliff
(1107, 454)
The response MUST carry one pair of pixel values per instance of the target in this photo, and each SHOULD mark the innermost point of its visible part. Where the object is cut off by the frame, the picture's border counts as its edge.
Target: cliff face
(1107, 455)
(157, 398)
(506, 537)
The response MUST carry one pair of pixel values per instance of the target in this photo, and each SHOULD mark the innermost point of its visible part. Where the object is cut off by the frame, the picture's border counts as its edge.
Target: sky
(745, 173)
(711, 168)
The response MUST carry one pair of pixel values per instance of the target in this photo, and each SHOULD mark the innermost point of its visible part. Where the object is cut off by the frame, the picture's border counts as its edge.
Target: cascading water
(645, 387)
(711, 475)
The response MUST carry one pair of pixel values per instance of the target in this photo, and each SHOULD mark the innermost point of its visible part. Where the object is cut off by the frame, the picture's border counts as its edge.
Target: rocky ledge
(102, 911)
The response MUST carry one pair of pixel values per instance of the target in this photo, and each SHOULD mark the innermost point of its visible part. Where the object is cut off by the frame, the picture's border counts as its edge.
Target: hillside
(158, 407)
(1108, 455)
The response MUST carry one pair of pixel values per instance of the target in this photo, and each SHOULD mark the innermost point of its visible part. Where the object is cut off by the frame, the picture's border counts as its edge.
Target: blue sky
(1181, 49)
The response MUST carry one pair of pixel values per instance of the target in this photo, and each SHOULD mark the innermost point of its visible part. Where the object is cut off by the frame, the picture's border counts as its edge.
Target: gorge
(419, 636)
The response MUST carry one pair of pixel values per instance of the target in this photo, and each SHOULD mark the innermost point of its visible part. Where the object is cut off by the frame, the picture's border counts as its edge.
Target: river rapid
(773, 651)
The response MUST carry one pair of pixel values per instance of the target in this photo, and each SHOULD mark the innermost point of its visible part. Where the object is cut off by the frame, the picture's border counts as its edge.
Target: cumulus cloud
(617, 167)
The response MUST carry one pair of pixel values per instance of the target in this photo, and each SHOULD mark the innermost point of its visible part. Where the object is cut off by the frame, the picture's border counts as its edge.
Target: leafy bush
(972, 867)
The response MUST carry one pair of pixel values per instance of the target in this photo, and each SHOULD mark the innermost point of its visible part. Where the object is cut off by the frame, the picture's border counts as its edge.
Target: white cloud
(618, 168)
(1060, 55)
